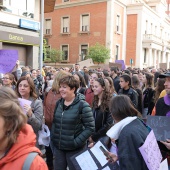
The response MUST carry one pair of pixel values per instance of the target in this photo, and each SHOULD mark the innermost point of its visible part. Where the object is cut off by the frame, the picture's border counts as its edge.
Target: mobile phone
(105, 152)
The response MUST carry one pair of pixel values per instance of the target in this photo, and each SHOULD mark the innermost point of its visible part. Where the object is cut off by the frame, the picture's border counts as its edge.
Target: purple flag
(151, 152)
(8, 60)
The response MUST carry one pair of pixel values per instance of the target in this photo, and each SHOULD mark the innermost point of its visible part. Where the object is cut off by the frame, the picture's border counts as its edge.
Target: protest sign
(87, 63)
(160, 126)
(151, 152)
(118, 65)
(24, 102)
(122, 63)
(8, 60)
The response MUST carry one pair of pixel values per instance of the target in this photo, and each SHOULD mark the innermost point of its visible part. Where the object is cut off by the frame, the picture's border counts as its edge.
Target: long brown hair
(12, 114)
(31, 84)
(122, 107)
(106, 96)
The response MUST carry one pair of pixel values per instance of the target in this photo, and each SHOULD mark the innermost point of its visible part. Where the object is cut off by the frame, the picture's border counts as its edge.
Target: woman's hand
(91, 142)
(166, 143)
(111, 157)
(28, 110)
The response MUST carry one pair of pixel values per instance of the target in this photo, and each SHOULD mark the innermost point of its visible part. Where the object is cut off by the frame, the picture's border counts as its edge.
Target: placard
(92, 161)
(122, 63)
(87, 63)
(8, 60)
(151, 152)
(160, 126)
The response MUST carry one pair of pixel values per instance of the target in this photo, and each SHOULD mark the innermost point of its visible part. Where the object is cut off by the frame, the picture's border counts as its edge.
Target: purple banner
(8, 60)
(121, 62)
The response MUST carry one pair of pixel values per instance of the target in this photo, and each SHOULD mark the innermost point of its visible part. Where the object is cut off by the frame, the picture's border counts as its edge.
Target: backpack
(28, 161)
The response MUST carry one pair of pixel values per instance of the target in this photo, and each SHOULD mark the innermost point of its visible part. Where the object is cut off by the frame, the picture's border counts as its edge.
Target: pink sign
(23, 102)
(151, 152)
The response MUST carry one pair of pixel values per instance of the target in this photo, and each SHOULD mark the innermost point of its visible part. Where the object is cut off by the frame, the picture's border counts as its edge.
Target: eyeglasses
(5, 78)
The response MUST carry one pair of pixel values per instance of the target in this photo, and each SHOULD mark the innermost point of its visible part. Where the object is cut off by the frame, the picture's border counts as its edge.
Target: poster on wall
(8, 60)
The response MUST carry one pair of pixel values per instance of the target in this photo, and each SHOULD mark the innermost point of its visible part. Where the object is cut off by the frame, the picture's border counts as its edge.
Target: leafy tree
(55, 55)
(98, 53)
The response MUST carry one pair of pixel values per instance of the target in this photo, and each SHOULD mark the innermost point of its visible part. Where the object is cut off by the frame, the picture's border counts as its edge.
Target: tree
(98, 53)
(55, 55)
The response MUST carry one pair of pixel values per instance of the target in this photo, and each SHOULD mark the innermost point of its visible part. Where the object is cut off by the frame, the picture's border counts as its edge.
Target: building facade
(148, 33)
(133, 30)
(19, 29)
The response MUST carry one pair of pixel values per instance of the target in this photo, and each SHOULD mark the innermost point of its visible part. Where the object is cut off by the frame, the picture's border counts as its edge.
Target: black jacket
(148, 99)
(73, 126)
(103, 121)
(131, 138)
(133, 95)
(116, 82)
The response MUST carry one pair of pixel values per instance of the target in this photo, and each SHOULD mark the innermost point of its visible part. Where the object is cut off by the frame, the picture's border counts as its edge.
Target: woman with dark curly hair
(82, 84)
(101, 113)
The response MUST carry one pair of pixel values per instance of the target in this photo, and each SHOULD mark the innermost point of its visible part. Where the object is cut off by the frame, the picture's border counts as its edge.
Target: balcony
(151, 38)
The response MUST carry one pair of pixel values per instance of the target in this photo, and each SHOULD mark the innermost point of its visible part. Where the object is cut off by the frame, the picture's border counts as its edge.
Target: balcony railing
(151, 37)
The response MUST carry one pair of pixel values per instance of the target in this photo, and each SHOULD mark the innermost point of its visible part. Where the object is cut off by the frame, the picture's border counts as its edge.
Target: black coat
(103, 121)
(131, 138)
(133, 95)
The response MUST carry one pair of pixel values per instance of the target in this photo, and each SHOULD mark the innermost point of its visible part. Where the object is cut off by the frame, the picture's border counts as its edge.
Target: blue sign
(32, 25)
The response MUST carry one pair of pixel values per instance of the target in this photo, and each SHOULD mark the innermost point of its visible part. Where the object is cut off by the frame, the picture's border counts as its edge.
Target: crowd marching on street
(79, 108)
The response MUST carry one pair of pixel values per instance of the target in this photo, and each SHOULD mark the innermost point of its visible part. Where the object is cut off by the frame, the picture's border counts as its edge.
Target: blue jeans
(62, 158)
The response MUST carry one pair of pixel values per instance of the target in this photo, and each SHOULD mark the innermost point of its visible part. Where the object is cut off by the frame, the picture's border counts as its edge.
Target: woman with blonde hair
(17, 138)
(50, 101)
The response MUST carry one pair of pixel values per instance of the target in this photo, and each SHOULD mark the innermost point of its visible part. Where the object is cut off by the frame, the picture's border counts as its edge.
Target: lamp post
(41, 35)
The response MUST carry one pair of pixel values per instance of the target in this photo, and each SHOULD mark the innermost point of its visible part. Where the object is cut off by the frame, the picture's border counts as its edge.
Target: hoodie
(17, 154)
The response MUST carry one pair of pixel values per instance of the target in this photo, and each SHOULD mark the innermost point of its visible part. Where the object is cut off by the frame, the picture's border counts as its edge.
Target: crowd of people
(80, 107)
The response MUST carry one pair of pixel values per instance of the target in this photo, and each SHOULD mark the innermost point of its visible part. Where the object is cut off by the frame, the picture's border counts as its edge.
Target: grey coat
(36, 119)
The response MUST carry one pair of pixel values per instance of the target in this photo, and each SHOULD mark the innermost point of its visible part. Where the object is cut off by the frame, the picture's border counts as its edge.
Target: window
(117, 52)
(65, 52)
(146, 28)
(23, 7)
(144, 55)
(66, 0)
(47, 26)
(84, 49)
(118, 23)
(65, 24)
(85, 23)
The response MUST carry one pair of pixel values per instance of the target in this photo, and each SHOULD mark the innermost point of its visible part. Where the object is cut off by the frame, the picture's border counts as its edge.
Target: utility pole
(41, 34)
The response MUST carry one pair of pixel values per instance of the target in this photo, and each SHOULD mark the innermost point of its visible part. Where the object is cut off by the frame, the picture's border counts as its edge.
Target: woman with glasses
(25, 89)
(101, 113)
(9, 80)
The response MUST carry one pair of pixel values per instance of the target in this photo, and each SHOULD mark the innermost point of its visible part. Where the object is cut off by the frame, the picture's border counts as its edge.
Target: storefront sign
(32, 25)
(18, 38)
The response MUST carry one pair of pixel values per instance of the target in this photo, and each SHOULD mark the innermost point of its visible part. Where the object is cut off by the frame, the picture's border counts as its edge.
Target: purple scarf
(167, 102)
